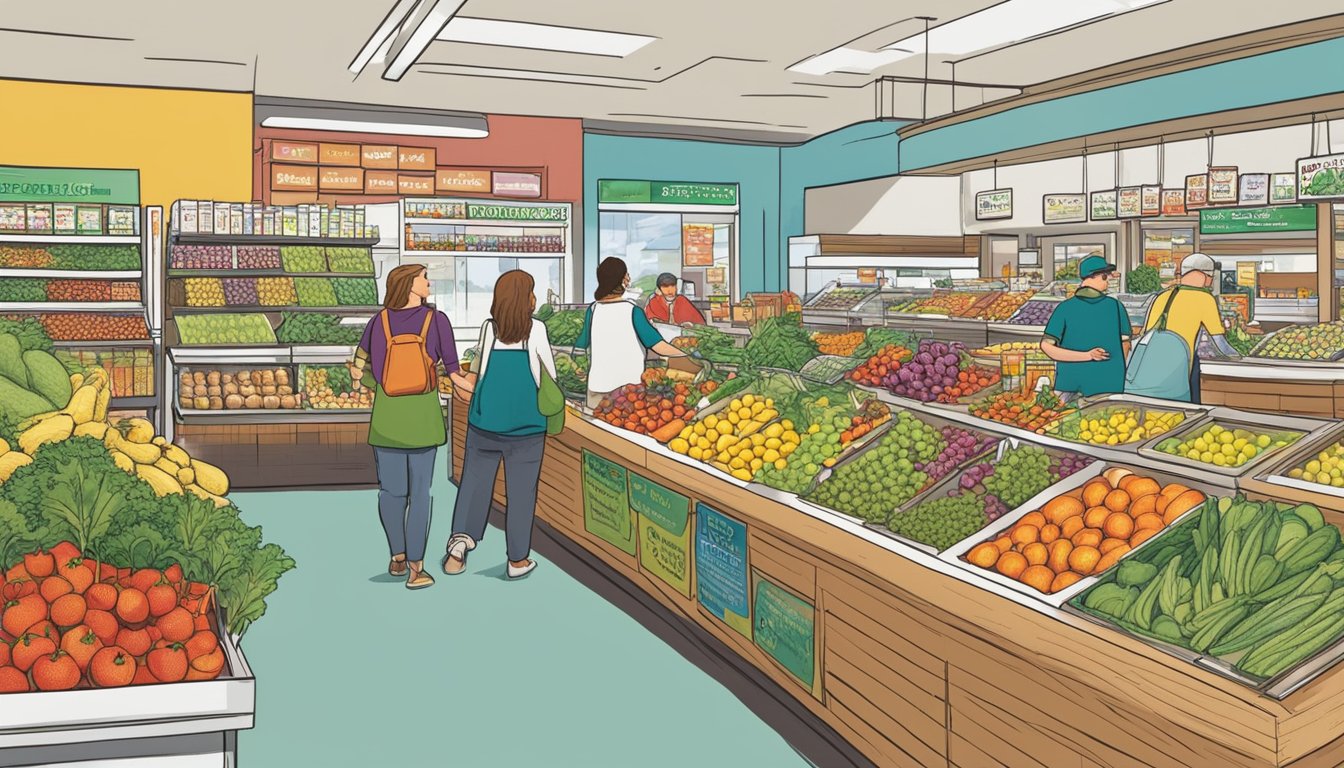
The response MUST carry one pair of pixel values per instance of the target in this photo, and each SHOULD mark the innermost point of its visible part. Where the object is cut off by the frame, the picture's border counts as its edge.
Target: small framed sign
(994, 204)
(1254, 189)
(1282, 188)
(1196, 191)
(1152, 200)
(1029, 257)
(1173, 202)
(1103, 205)
(1129, 203)
(1223, 185)
(1064, 208)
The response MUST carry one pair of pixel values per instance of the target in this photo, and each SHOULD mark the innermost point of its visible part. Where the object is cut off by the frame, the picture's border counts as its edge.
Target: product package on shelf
(237, 388)
(243, 220)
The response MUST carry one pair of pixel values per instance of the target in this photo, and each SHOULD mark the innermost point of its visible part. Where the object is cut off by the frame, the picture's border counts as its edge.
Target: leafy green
(23, 289)
(15, 534)
(96, 257)
(245, 588)
(780, 342)
(28, 331)
(1143, 279)
(316, 328)
(80, 503)
(563, 328)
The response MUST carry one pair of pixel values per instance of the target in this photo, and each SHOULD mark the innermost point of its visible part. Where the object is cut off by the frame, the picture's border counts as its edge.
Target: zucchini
(1312, 550)
(1268, 663)
(1267, 622)
(1215, 629)
(1140, 614)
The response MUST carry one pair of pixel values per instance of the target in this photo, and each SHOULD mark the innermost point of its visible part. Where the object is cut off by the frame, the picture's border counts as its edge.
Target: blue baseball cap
(1093, 265)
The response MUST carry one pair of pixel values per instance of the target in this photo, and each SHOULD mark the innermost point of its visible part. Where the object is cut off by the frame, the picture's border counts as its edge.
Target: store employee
(1086, 335)
(668, 306)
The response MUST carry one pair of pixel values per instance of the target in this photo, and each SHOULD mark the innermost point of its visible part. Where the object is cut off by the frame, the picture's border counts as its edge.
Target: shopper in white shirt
(617, 335)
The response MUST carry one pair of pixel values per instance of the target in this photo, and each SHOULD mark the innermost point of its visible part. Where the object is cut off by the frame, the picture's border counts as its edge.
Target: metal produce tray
(809, 370)
(1226, 417)
(1336, 357)
(868, 291)
(1301, 453)
(1193, 415)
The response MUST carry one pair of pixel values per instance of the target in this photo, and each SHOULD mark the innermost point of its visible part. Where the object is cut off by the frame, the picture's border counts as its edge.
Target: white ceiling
(716, 65)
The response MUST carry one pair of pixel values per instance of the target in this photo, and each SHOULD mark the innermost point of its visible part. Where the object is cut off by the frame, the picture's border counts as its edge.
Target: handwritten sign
(340, 154)
(664, 532)
(606, 503)
(721, 576)
(1254, 189)
(1152, 200)
(462, 180)
(1064, 208)
(697, 245)
(1196, 191)
(785, 628)
(1223, 184)
(994, 204)
(1103, 205)
(1320, 178)
(415, 158)
(1129, 203)
(293, 152)
(1173, 202)
(378, 156)
(293, 178)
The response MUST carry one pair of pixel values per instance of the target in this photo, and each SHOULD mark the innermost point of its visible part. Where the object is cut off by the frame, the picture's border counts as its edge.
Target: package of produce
(1032, 411)
(316, 328)
(91, 326)
(200, 256)
(355, 291)
(276, 292)
(1107, 424)
(564, 327)
(1003, 306)
(240, 291)
(780, 342)
(130, 372)
(657, 407)
(237, 389)
(204, 291)
(1085, 531)
(1226, 447)
(839, 344)
(331, 387)
(353, 261)
(125, 290)
(303, 258)
(314, 292)
(17, 289)
(25, 257)
(258, 257)
(1034, 312)
(1257, 585)
(840, 298)
(1323, 341)
(739, 438)
(224, 329)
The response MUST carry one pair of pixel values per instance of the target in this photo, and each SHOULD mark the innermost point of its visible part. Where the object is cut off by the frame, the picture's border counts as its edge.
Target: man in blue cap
(1086, 335)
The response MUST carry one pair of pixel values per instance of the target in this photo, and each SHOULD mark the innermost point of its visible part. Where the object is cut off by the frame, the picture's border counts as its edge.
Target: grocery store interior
(981, 404)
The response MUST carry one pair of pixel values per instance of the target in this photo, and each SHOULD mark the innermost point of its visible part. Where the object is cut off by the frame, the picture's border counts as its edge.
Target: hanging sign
(415, 158)
(681, 193)
(339, 154)
(1064, 208)
(381, 156)
(664, 532)
(341, 179)
(293, 152)
(1129, 203)
(69, 185)
(994, 204)
(518, 212)
(1173, 202)
(293, 178)
(697, 245)
(1282, 188)
(1223, 185)
(1320, 178)
(606, 503)
(415, 186)
(1237, 221)
(462, 180)
(517, 184)
(867, 275)
(1152, 200)
(1246, 274)
(1254, 189)
(784, 626)
(721, 576)
(381, 183)
(1103, 205)
(1196, 191)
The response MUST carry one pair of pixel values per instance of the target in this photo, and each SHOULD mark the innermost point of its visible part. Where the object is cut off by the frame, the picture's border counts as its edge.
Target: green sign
(666, 192)
(1240, 221)
(517, 212)
(606, 503)
(664, 532)
(69, 185)
(784, 627)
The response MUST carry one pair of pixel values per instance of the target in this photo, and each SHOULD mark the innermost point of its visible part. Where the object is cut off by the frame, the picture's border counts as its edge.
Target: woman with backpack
(401, 347)
(514, 382)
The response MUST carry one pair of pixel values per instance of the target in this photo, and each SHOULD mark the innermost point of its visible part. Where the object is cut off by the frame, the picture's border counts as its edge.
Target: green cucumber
(1267, 622)
(1282, 656)
(1215, 629)
(1312, 550)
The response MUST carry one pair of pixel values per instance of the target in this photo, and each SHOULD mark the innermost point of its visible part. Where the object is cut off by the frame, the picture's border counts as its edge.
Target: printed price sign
(721, 576)
(785, 628)
(606, 503)
(664, 532)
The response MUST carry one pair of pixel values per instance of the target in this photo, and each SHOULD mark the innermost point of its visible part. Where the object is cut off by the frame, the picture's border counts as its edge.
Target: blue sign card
(721, 576)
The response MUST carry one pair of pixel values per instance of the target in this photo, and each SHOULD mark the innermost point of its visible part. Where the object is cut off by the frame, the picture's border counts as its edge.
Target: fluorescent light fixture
(312, 115)
(847, 60)
(356, 126)
(542, 37)
(424, 24)
(1012, 22)
(382, 38)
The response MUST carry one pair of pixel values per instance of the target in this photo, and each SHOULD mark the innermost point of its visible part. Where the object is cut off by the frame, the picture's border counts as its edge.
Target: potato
(281, 377)
(270, 401)
(226, 378)
(247, 390)
(233, 402)
(186, 390)
(230, 388)
(212, 378)
(198, 377)
(243, 376)
(252, 401)
(201, 403)
(258, 378)
(214, 391)
(268, 389)
(268, 378)
(200, 390)
(185, 401)
(216, 403)
(288, 401)
(185, 378)
(284, 389)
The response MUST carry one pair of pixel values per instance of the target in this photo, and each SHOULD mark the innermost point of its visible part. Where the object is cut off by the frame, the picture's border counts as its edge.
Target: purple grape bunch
(1070, 463)
(1034, 313)
(934, 368)
(240, 292)
(994, 508)
(961, 446)
(201, 257)
(974, 476)
(258, 257)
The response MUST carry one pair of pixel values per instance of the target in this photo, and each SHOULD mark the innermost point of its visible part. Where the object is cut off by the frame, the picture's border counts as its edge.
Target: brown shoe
(419, 579)
(397, 567)
(455, 561)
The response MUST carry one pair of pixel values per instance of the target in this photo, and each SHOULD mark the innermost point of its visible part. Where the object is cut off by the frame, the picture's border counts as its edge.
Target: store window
(653, 243)
(1164, 249)
(1339, 260)
(1067, 257)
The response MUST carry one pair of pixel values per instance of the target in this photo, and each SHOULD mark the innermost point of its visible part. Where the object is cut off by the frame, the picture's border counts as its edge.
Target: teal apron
(505, 400)
(407, 421)
(1090, 322)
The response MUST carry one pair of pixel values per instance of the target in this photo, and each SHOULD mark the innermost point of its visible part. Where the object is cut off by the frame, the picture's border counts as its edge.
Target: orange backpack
(407, 368)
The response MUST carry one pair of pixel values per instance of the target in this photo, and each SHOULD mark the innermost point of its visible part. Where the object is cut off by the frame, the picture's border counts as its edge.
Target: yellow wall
(186, 144)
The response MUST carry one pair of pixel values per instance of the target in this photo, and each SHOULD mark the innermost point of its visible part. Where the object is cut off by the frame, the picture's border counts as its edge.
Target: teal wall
(771, 182)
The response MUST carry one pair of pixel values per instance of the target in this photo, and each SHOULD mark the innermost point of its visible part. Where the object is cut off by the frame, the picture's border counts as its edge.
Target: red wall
(553, 146)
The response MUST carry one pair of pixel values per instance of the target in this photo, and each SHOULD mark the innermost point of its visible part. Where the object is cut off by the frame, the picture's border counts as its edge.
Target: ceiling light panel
(1012, 22)
(847, 60)
(542, 37)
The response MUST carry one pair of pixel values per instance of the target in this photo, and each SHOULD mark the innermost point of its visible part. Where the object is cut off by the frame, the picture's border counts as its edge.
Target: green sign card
(785, 628)
(664, 532)
(491, 211)
(606, 503)
(69, 185)
(665, 192)
(1240, 221)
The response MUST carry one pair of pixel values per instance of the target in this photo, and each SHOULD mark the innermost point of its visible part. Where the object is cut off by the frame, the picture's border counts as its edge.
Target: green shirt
(1089, 320)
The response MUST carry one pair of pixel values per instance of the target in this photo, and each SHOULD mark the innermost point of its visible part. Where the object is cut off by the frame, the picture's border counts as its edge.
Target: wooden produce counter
(290, 454)
(910, 659)
(1304, 390)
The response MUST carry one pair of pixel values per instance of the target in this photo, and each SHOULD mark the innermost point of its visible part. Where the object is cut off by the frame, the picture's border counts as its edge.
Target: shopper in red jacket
(670, 307)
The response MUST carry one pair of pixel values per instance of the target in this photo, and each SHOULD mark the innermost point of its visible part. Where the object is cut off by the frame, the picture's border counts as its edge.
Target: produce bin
(1231, 419)
(828, 369)
(1305, 450)
(1090, 407)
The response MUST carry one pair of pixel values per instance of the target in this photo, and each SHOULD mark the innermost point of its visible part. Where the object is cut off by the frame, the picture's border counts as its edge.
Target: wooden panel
(887, 645)
(1259, 386)
(1329, 756)
(783, 563)
(982, 735)
(911, 709)
(1314, 406)
(844, 245)
(889, 736)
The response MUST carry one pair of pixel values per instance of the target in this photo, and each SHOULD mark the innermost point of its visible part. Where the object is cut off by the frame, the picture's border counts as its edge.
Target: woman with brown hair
(505, 424)
(401, 346)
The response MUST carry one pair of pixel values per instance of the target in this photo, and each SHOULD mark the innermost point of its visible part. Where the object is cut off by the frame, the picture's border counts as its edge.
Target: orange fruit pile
(1086, 531)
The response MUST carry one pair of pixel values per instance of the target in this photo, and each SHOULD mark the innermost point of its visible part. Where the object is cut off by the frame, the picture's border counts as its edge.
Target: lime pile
(1226, 447)
(1326, 469)
(819, 448)
(1022, 473)
(884, 476)
(940, 523)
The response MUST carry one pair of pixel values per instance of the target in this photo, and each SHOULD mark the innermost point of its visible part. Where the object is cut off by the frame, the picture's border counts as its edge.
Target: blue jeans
(404, 503)
(522, 470)
(1194, 382)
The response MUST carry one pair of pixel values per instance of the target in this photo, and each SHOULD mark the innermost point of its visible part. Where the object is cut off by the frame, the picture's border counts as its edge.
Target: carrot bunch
(1023, 410)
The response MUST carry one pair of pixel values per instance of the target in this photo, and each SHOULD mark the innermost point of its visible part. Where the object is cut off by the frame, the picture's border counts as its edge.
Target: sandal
(397, 567)
(519, 571)
(455, 562)
(419, 579)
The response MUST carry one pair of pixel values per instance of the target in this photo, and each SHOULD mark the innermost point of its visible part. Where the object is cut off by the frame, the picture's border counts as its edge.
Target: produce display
(237, 389)
(1325, 468)
(827, 368)
(276, 292)
(820, 445)
(200, 256)
(303, 258)
(934, 373)
(1323, 341)
(686, 343)
(564, 327)
(716, 346)
(1223, 447)
(995, 350)
(130, 372)
(1115, 425)
(125, 290)
(94, 326)
(874, 372)
(315, 292)
(258, 257)
(83, 290)
(741, 441)
(883, 477)
(241, 328)
(970, 381)
(1143, 279)
(204, 291)
(942, 303)
(1034, 312)
(1004, 306)
(1025, 410)
(571, 373)
(16, 290)
(70, 257)
(355, 291)
(349, 260)
(1086, 531)
(316, 328)
(877, 339)
(840, 344)
(1258, 585)
(240, 292)
(840, 298)
(331, 387)
(780, 342)
(657, 407)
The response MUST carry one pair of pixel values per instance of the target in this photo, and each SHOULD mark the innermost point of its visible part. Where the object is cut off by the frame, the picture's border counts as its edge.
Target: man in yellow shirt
(1194, 309)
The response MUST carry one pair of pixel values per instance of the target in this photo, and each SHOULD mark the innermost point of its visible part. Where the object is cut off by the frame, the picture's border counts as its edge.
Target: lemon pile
(1121, 427)
(1224, 447)
(741, 439)
(1326, 469)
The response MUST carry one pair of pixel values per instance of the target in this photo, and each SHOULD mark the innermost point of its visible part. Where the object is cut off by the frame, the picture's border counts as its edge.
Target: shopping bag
(1160, 363)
